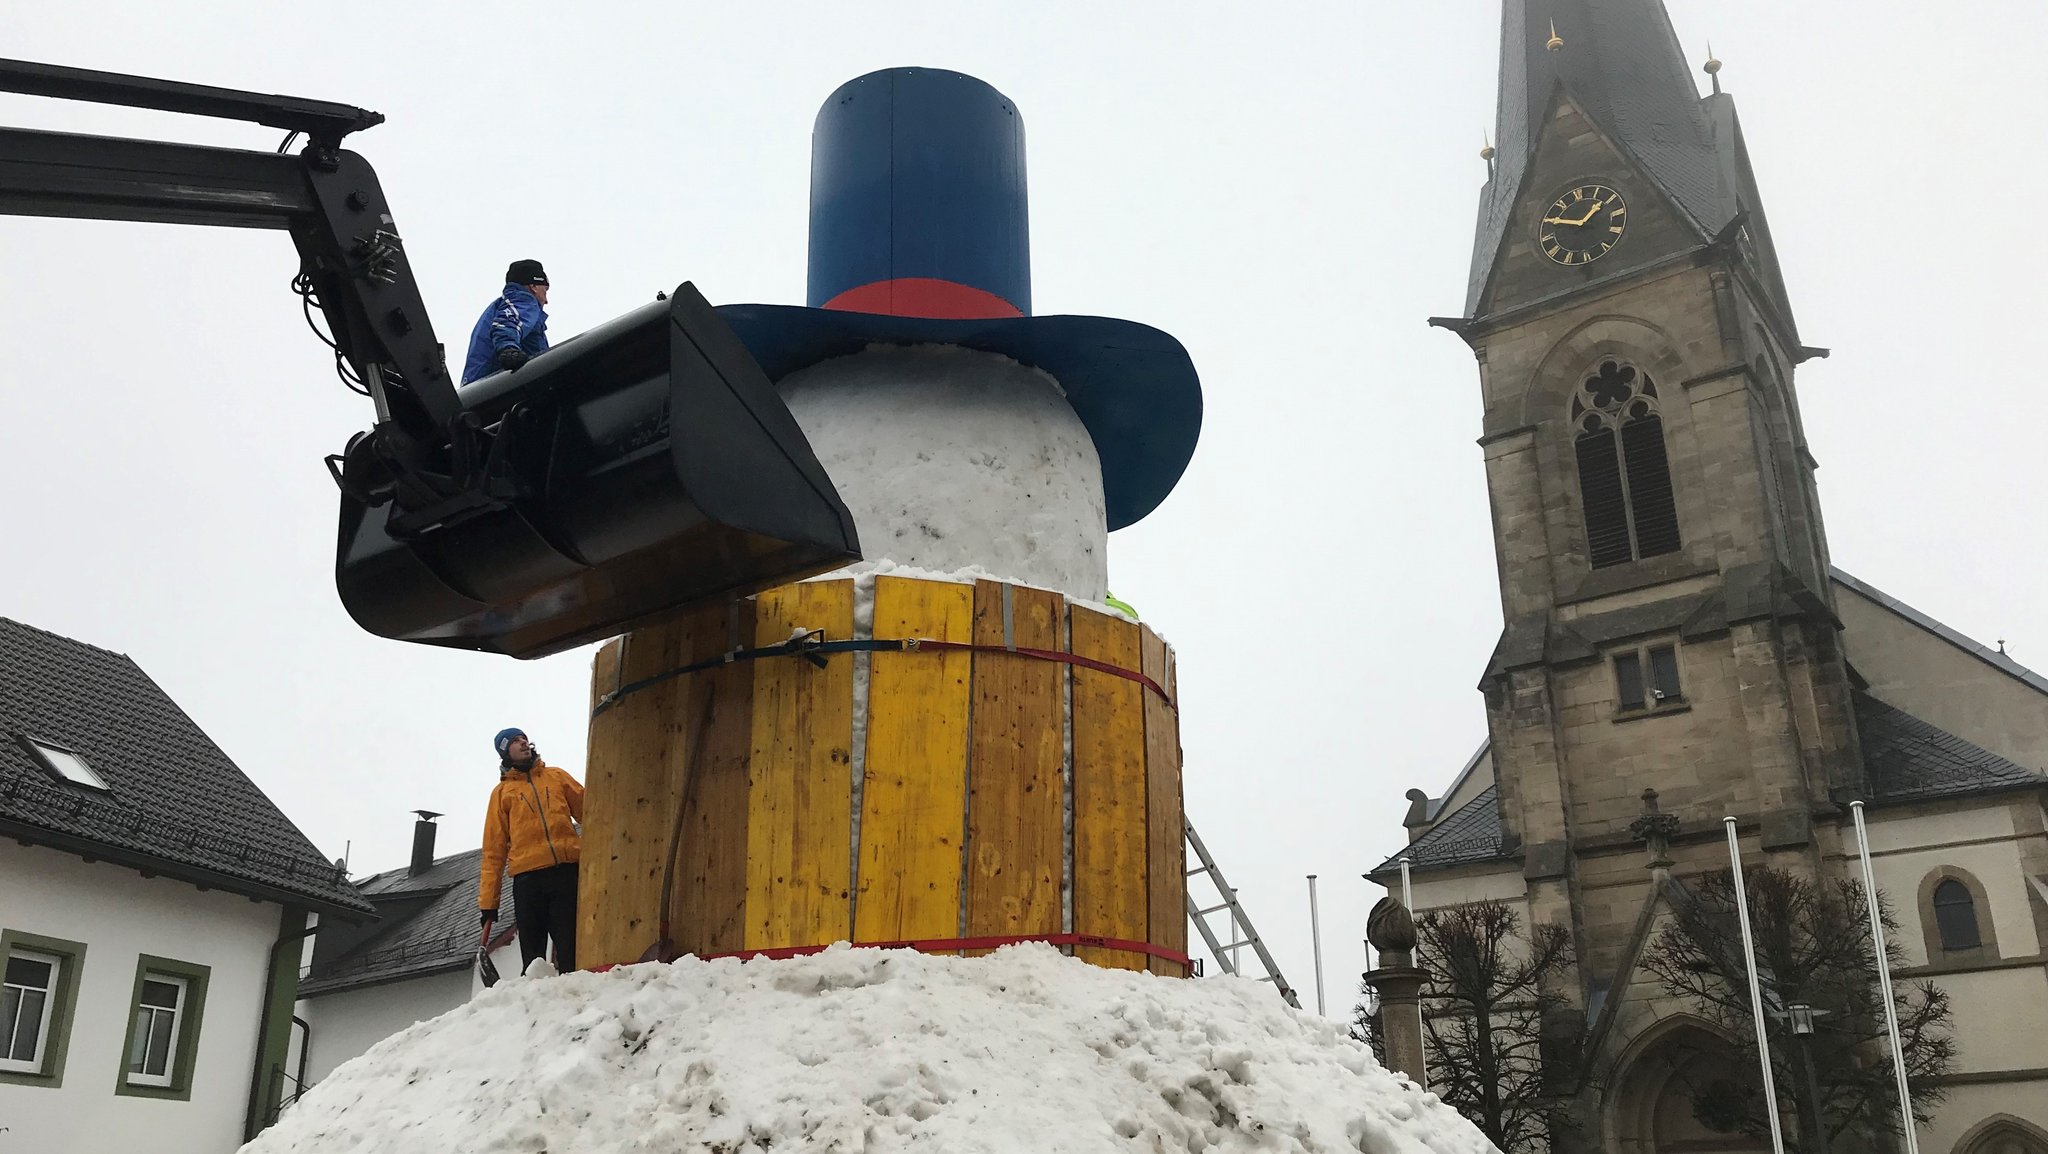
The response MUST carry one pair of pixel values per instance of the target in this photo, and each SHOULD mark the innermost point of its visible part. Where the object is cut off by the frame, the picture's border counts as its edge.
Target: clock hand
(1595, 208)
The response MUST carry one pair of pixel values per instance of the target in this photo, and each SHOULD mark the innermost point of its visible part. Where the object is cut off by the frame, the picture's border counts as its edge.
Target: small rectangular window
(62, 763)
(1664, 674)
(1628, 678)
(26, 1001)
(153, 1043)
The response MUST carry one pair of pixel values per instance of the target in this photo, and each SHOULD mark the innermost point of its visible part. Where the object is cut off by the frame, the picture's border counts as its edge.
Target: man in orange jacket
(531, 828)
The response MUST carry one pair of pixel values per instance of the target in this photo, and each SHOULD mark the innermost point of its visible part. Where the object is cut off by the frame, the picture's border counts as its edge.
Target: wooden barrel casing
(953, 820)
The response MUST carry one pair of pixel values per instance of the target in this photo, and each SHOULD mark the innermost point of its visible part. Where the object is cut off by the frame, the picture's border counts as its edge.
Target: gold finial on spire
(1485, 147)
(1555, 42)
(1713, 67)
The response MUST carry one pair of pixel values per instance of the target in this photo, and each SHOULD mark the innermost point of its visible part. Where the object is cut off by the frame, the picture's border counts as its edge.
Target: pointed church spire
(1625, 70)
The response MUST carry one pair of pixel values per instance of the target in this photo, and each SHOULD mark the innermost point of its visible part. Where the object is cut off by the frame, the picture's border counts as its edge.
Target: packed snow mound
(864, 1050)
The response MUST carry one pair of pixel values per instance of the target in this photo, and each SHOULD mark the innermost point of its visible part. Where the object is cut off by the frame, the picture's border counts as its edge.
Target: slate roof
(1909, 760)
(438, 937)
(1472, 833)
(175, 803)
(1622, 64)
(452, 870)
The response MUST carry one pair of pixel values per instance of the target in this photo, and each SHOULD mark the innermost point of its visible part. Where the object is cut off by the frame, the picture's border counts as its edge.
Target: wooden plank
(1109, 790)
(1165, 844)
(800, 803)
(914, 796)
(711, 861)
(599, 820)
(620, 881)
(1015, 807)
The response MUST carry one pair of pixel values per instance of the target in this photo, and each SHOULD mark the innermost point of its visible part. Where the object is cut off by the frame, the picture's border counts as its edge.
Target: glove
(490, 915)
(512, 358)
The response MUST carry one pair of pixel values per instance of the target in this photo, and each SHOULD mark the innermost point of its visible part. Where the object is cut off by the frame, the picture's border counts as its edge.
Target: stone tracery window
(1624, 472)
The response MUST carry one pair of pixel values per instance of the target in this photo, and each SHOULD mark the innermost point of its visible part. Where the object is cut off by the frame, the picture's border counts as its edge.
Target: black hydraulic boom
(636, 469)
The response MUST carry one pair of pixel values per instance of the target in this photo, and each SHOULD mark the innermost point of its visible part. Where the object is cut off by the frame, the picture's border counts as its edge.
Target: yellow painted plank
(1165, 844)
(800, 818)
(1109, 790)
(1015, 806)
(914, 793)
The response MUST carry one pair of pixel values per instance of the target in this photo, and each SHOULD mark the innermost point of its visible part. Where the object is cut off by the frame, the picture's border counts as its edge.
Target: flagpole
(1756, 993)
(1884, 980)
(1315, 929)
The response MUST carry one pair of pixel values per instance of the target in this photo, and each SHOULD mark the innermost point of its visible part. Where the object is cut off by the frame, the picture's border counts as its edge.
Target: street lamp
(1802, 1018)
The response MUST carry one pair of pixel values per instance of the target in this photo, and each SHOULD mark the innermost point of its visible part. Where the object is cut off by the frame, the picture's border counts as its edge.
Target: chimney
(422, 843)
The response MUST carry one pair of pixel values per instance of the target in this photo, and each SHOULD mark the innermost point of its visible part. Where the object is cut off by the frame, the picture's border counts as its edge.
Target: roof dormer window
(62, 763)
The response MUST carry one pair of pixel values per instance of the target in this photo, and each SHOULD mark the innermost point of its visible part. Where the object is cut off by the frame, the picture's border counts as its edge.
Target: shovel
(485, 967)
(664, 947)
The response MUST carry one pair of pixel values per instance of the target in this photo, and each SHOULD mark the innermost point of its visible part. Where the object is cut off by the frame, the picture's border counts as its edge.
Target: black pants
(544, 905)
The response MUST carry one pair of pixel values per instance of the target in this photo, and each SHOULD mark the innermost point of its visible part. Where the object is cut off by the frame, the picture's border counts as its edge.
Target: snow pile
(867, 1051)
(948, 458)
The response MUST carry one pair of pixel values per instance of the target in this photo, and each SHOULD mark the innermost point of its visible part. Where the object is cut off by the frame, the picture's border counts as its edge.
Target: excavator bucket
(634, 470)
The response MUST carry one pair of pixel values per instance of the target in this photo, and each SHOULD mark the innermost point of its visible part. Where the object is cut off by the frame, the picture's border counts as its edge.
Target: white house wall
(1437, 890)
(119, 915)
(1905, 849)
(2000, 1015)
(346, 1024)
(2001, 1019)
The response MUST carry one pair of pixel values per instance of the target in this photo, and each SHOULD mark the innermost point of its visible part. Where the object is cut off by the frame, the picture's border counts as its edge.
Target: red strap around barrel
(948, 945)
(1048, 655)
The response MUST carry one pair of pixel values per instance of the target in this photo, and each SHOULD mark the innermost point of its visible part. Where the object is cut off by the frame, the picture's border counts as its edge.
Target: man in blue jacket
(514, 328)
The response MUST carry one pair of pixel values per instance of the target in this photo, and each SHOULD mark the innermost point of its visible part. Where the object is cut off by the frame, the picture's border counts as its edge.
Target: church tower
(1671, 623)
(1663, 565)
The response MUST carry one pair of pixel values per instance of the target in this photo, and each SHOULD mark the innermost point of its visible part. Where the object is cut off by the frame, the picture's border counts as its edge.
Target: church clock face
(1582, 225)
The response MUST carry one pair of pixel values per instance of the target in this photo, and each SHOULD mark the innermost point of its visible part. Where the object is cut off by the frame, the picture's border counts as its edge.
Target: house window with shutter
(1624, 473)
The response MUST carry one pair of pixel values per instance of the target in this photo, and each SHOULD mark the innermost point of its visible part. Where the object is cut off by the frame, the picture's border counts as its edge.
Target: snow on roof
(876, 1050)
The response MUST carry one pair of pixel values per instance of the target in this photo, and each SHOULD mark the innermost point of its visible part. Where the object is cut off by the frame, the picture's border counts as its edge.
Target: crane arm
(645, 467)
(351, 256)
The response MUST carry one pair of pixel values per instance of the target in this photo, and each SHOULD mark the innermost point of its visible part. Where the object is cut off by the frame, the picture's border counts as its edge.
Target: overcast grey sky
(1287, 188)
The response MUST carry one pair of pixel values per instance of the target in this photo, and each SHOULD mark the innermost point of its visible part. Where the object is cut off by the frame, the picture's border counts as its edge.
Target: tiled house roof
(174, 804)
(422, 931)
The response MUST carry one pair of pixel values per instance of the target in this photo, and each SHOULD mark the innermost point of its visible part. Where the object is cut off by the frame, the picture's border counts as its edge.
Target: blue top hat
(920, 234)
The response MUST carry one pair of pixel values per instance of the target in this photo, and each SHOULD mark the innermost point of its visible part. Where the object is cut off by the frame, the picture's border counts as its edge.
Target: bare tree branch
(1814, 948)
(1483, 1006)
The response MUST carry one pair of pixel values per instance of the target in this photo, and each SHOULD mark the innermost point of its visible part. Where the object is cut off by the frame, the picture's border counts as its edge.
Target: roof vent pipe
(422, 843)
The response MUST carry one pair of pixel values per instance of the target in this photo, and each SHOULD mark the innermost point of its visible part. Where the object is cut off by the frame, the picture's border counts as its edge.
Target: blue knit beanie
(504, 740)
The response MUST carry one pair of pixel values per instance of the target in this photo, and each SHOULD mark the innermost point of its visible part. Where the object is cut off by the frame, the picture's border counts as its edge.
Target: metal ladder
(1239, 931)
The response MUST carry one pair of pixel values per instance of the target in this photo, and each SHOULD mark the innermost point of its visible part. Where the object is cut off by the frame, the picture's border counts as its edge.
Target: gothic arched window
(1624, 474)
(1955, 916)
